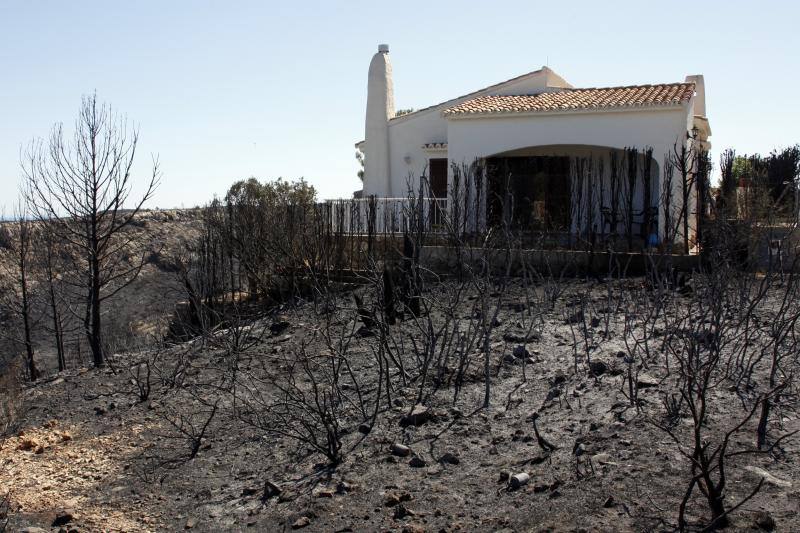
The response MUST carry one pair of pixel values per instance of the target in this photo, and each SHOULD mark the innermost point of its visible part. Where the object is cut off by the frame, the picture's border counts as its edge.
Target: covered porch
(576, 193)
(569, 196)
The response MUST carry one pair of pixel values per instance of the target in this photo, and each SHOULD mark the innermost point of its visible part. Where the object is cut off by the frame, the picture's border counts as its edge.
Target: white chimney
(380, 108)
(700, 93)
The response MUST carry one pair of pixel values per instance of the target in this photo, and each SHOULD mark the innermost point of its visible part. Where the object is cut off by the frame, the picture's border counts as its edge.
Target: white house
(532, 126)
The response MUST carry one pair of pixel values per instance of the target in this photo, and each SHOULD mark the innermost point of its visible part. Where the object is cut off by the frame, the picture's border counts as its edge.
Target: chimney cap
(383, 48)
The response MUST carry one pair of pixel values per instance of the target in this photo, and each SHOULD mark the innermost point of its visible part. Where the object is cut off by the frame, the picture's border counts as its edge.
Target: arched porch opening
(583, 193)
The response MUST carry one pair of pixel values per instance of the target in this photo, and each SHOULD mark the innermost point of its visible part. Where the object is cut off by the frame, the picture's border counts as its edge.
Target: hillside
(141, 310)
(93, 453)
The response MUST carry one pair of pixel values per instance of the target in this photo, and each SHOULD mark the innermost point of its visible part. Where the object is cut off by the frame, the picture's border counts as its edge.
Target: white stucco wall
(407, 134)
(482, 137)
(406, 139)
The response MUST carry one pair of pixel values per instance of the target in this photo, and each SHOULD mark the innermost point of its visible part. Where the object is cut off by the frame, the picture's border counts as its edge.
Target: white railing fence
(386, 215)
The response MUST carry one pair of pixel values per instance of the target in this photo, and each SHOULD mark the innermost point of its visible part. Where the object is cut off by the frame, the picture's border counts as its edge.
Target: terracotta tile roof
(489, 88)
(667, 94)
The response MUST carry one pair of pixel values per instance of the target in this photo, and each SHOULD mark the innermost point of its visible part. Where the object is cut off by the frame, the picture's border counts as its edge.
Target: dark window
(438, 177)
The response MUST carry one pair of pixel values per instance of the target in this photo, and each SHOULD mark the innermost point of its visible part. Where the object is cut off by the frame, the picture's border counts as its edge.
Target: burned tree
(615, 186)
(631, 166)
(16, 297)
(647, 190)
(79, 188)
(49, 265)
(684, 160)
(727, 180)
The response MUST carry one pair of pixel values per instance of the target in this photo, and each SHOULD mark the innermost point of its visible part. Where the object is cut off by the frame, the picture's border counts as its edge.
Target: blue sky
(227, 90)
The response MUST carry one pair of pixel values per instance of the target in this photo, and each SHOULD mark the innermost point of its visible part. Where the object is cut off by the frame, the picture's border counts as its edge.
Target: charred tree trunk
(77, 186)
(24, 240)
(58, 327)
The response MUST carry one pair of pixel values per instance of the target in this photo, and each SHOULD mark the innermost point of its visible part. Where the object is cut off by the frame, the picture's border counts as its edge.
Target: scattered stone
(62, 518)
(539, 459)
(763, 520)
(401, 511)
(324, 493)
(33, 529)
(602, 459)
(541, 488)
(595, 322)
(270, 490)
(364, 429)
(645, 381)
(520, 352)
(279, 327)
(558, 378)
(450, 459)
(418, 416)
(609, 503)
(598, 368)
(417, 462)
(394, 498)
(287, 496)
(768, 478)
(413, 528)
(343, 487)
(301, 522)
(400, 450)
(518, 480)
(520, 337)
(504, 475)
(190, 523)
(28, 443)
(552, 394)
(99, 411)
